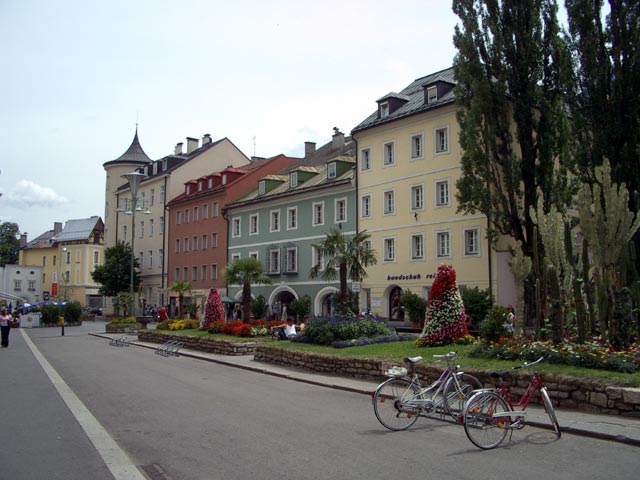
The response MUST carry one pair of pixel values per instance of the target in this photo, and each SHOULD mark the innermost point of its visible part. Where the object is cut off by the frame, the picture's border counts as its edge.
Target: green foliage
(72, 311)
(259, 307)
(477, 303)
(50, 313)
(492, 328)
(300, 306)
(246, 272)
(114, 275)
(327, 330)
(414, 305)
(123, 320)
(9, 243)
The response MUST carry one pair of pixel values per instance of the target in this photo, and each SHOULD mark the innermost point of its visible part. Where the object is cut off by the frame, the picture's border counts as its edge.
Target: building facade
(408, 165)
(279, 222)
(197, 230)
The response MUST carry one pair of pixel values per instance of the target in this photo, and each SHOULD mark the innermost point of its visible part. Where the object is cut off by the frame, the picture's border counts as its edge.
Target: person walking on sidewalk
(5, 326)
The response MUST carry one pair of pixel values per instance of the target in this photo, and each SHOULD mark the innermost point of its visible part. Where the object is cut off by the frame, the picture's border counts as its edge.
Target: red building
(197, 244)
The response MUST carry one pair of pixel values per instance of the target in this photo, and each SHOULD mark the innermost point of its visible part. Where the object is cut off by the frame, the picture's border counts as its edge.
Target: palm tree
(346, 258)
(245, 271)
(180, 287)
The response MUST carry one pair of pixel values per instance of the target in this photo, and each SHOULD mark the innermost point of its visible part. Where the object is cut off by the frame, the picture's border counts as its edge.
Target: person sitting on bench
(286, 331)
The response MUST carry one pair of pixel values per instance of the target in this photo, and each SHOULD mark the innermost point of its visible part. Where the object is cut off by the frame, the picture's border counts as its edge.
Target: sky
(79, 75)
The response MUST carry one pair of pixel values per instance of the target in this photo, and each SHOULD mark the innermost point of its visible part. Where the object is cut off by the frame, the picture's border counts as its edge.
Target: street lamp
(134, 179)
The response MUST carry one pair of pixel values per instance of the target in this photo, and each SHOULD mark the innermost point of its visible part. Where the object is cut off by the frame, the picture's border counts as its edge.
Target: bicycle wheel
(457, 393)
(391, 403)
(482, 421)
(548, 406)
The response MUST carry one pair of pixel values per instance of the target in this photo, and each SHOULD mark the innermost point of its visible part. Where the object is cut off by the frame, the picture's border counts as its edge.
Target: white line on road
(118, 462)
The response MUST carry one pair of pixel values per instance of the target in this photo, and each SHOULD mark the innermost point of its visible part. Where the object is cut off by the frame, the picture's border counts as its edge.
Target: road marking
(117, 461)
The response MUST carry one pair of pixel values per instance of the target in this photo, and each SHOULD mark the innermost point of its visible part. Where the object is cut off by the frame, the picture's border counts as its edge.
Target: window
(388, 152)
(205, 211)
(253, 224)
(214, 240)
(162, 194)
(150, 259)
(293, 179)
(194, 273)
(389, 249)
(365, 206)
(178, 218)
(160, 256)
(177, 245)
(317, 258)
(235, 256)
(17, 285)
(152, 198)
(292, 218)
(331, 170)
(442, 140)
(389, 206)
(161, 232)
(96, 259)
(340, 207)
(124, 234)
(185, 244)
(471, 241)
(141, 228)
(275, 221)
(141, 257)
(215, 209)
(365, 159)
(253, 255)
(151, 228)
(196, 214)
(44, 260)
(235, 227)
(274, 261)
(384, 109)
(203, 276)
(186, 215)
(416, 146)
(224, 179)
(176, 274)
(318, 213)
(417, 246)
(31, 285)
(417, 197)
(442, 193)
(214, 271)
(68, 257)
(67, 276)
(262, 187)
(210, 183)
(443, 244)
(292, 260)
(194, 243)
(432, 94)
(205, 242)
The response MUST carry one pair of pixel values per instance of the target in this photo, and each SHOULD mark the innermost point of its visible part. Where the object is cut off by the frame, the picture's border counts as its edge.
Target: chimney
(178, 149)
(206, 139)
(309, 148)
(57, 228)
(192, 144)
(337, 140)
(23, 240)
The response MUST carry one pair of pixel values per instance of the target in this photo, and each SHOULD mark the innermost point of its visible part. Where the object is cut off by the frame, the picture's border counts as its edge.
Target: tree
(245, 272)
(115, 274)
(9, 243)
(415, 305)
(344, 259)
(181, 287)
(511, 68)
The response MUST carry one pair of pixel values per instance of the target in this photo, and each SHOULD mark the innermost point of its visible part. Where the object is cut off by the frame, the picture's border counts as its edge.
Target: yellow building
(408, 165)
(68, 256)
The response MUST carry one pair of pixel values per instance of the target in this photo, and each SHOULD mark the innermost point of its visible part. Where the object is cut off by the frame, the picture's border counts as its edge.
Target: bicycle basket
(392, 370)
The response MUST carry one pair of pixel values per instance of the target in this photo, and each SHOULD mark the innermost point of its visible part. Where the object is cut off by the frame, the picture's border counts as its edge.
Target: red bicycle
(491, 414)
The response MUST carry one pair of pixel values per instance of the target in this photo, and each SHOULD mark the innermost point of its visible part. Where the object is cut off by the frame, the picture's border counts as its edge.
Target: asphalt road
(198, 420)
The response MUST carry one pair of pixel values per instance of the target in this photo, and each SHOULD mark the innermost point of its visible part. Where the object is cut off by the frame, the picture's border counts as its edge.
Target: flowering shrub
(592, 354)
(359, 342)
(327, 330)
(445, 320)
(213, 310)
(178, 325)
(238, 328)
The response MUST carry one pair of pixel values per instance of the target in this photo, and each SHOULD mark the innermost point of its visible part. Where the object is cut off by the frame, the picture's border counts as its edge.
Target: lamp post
(134, 179)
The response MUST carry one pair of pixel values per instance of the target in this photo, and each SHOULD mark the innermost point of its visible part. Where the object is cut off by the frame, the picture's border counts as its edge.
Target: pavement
(606, 427)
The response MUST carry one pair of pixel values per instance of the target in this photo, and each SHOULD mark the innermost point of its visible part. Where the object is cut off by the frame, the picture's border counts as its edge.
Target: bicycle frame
(431, 391)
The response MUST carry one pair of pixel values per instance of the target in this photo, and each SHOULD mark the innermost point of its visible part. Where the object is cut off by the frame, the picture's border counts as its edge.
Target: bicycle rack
(169, 348)
(120, 342)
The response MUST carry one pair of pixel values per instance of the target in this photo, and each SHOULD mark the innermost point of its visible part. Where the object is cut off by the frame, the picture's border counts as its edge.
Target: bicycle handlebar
(447, 355)
(527, 365)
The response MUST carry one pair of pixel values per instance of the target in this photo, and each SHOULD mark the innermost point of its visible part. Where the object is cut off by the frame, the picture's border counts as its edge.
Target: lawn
(399, 350)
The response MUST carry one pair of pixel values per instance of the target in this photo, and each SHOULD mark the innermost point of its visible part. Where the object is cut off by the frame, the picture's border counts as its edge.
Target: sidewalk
(607, 427)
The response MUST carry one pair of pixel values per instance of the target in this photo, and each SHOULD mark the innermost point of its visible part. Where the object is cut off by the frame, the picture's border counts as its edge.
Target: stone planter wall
(201, 344)
(122, 328)
(565, 392)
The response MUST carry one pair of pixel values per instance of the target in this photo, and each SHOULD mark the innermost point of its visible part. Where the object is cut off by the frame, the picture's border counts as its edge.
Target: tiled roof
(77, 229)
(414, 93)
(43, 241)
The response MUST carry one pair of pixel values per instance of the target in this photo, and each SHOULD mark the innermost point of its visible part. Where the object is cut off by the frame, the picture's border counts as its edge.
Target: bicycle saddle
(499, 374)
(413, 359)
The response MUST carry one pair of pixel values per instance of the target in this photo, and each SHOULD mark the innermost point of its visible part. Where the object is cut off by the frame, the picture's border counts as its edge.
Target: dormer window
(331, 170)
(210, 183)
(432, 94)
(262, 187)
(384, 109)
(293, 179)
(188, 189)
(224, 179)
(199, 186)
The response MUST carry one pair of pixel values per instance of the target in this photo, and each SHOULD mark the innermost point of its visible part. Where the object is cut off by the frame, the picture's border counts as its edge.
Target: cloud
(26, 193)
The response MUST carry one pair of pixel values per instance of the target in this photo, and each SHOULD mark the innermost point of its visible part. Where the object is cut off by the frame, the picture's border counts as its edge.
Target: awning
(226, 299)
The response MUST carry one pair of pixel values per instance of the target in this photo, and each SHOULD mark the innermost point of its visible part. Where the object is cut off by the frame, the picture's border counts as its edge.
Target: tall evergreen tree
(511, 68)
(115, 274)
(9, 243)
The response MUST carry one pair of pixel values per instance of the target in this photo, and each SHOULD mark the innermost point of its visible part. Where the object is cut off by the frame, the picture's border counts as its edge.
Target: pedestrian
(5, 326)
(162, 314)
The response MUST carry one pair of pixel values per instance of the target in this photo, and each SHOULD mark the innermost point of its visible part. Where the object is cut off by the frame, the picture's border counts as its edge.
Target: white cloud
(26, 193)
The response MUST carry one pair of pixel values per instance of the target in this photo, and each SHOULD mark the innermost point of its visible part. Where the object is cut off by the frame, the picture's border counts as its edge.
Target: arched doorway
(396, 310)
(323, 306)
(283, 300)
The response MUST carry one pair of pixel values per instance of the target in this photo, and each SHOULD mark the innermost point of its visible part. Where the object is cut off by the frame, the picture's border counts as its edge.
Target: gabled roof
(77, 229)
(43, 241)
(415, 96)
